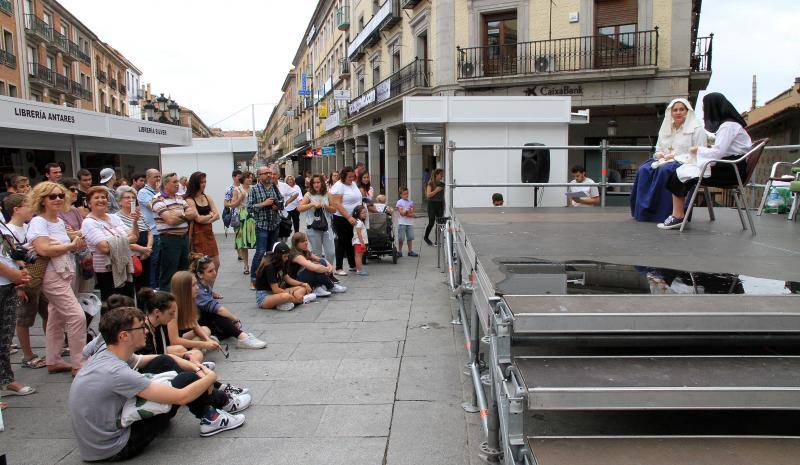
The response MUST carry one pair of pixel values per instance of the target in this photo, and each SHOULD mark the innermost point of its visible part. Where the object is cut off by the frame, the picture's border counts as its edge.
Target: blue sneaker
(671, 223)
(362, 273)
(411, 253)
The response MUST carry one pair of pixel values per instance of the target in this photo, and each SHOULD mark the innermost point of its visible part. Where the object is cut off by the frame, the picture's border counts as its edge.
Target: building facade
(623, 60)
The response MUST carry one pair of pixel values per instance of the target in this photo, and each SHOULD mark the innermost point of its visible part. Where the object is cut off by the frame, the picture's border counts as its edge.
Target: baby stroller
(381, 237)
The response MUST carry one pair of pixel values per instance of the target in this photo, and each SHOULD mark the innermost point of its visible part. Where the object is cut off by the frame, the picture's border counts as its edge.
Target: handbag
(235, 221)
(227, 217)
(137, 265)
(320, 222)
(36, 270)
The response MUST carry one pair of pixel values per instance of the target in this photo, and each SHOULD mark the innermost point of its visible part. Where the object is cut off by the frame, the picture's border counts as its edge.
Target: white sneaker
(321, 292)
(338, 289)
(340, 273)
(250, 342)
(229, 388)
(237, 403)
(222, 422)
(285, 307)
(309, 298)
(210, 365)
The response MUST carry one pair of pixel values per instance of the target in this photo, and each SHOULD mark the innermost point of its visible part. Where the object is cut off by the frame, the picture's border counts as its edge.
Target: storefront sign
(328, 151)
(383, 91)
(341, 94)
(331, 121)
(44, 117)
(361, 102)
(311, 34)
(371, 27)
(555, 90)
(323, 110)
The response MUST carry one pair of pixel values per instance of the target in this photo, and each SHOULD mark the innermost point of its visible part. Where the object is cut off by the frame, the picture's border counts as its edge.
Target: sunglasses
(57, 196)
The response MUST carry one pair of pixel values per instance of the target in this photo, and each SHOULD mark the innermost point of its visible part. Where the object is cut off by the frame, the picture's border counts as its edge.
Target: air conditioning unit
(467, 69)
(544, 64)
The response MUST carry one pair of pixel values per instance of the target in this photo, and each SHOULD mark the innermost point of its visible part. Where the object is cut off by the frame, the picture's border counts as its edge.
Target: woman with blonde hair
(48, 235)
(185, 330)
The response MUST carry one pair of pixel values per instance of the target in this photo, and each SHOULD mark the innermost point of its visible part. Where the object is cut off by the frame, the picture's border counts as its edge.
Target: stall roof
(234, 145)
(29, 115)
(287, 155)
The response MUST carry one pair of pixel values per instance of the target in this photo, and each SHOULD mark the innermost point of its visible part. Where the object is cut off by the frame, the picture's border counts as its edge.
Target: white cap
(106, 174)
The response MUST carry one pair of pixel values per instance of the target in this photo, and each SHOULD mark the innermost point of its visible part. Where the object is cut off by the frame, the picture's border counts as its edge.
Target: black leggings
(295, 216)
(435, 210)
(344, 242)
(105, 284)
(144, 431)
(315, 279)
(221, 327)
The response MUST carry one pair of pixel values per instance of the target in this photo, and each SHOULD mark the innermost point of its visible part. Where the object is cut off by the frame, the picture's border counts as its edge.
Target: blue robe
(650, 199)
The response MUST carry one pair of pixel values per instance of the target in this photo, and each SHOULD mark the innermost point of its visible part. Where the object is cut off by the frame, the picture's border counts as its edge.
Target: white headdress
(689, 125)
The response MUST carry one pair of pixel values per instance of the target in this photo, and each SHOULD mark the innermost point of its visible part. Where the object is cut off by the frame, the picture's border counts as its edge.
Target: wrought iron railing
(123, 89)
(344, 67)
(101, 76)
(625, 50)
(343, 18)
(113, 83)
(34, 24)
(8, 58)
(415, 74)
(86, 94)
(61, 41)
(701, 55)
(41, 73)
(6, 7)
(76, 89)
(300, 139)
(62, 82)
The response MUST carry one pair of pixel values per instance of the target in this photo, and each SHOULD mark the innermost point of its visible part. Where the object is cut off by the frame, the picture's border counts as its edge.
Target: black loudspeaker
(535, 164)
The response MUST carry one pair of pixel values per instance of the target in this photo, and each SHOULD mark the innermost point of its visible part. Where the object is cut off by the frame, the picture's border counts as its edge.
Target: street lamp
(163, 109)
(612, 128)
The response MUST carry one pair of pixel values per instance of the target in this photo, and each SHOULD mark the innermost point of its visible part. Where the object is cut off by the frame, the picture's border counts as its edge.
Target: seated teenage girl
(274, 287)
(308, 268)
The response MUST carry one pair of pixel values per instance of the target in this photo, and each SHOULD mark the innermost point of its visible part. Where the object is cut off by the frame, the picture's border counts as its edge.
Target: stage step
(665, 450)
(660, 383)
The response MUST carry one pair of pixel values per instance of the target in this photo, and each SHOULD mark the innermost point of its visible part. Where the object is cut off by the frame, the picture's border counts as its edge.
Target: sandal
(23, 391)
(34, 363)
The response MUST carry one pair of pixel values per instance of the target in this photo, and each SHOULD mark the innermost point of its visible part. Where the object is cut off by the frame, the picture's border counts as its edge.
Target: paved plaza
(371, 377)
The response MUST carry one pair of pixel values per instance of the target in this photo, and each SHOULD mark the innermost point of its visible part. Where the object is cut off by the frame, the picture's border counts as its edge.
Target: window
(64, 30)
(48, 18)
(12, 91)
(500, 38)
(376, 71)
(8, 42)
(67, 72)
(395, 58)
(36, 96)
(360, 84)
(51, 62)
(2, 88)
(33, 57)
(29, 7)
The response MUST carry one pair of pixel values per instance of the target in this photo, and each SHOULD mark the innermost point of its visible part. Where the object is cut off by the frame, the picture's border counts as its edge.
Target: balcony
(343, 18)
(8, 59)
(86, 94)
(554, 56)
(415, 75)
(408, 4)
(62, 82)
(301, 139)
(60, 41)
(113, 83)
(75, 89)
(38, 28)
(123, 89)
(701, 56)
(6, 7)
(344, 67)
(287, 129)
(387, 16)
(40, 74)
(101, 76)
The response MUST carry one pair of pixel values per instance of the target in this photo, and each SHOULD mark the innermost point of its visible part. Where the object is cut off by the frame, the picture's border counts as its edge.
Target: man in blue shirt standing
(145, 198)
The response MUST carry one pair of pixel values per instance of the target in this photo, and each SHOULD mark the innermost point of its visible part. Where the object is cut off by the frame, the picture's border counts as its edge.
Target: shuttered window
(615, 12)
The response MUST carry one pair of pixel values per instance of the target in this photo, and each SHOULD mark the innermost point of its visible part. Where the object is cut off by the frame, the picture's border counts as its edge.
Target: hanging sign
(341, 94)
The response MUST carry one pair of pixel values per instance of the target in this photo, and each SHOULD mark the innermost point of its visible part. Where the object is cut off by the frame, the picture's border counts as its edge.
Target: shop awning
(293, 152)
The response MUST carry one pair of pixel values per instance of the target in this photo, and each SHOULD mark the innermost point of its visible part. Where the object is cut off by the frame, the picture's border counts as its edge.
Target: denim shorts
(261, 295)
(405, 232)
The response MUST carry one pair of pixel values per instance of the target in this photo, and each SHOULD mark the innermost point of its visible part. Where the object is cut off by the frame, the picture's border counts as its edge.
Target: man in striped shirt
(172, 215)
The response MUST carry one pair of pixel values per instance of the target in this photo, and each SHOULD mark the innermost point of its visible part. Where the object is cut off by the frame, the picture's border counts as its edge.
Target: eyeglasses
(143, 328)
(57, 196)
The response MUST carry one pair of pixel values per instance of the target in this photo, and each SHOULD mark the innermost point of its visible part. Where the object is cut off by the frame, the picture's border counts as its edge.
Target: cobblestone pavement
(372, 376)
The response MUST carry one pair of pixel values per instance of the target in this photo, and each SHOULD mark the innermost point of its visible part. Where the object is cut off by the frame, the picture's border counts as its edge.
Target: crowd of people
(147, 248)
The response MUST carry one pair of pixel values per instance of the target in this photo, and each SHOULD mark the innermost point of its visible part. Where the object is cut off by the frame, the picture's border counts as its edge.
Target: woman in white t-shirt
(99, 228)
(316, 197)
(345, 197)
(294, 194)
(49, 236)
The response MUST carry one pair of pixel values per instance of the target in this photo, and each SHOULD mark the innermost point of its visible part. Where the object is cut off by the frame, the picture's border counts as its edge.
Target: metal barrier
(603, 148)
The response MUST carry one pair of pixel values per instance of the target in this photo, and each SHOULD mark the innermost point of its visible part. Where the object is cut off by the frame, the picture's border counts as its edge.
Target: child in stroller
(381, 233)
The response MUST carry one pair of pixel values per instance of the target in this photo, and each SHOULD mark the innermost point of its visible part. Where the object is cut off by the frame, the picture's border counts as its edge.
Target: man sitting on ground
(107, 381)
(590, 196)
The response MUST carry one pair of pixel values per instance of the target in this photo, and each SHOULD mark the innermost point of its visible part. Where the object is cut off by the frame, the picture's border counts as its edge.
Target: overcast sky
(218, 57)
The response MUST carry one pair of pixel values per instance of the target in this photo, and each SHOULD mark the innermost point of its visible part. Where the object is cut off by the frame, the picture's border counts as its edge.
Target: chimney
(753, 102)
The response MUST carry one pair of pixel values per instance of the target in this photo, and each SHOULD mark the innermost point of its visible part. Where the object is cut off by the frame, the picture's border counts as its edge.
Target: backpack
(226, 217)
